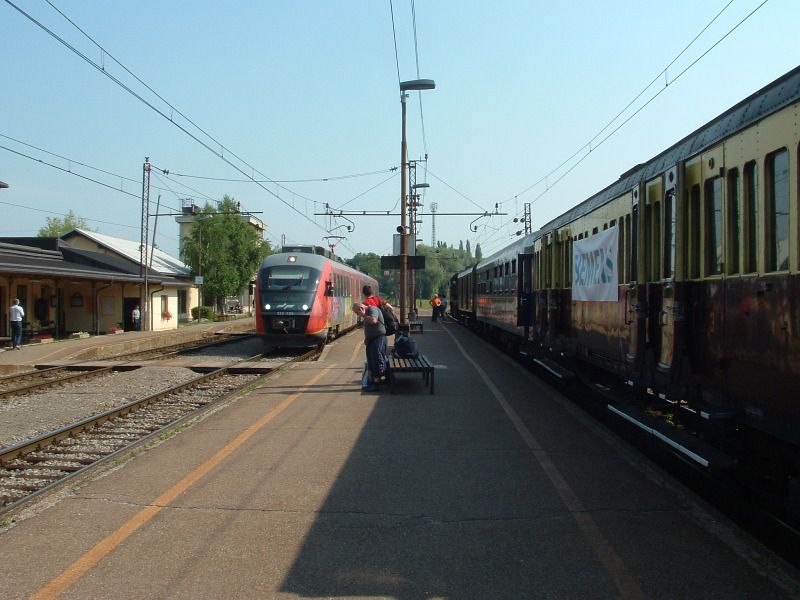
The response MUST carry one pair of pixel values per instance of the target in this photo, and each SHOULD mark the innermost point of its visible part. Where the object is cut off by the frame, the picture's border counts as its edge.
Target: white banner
(595, 267)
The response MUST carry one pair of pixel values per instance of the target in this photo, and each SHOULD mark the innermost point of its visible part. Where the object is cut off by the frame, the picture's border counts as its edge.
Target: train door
(542, 296)
(671, 314)
(653, 232)
(525, 291)
(635, 297)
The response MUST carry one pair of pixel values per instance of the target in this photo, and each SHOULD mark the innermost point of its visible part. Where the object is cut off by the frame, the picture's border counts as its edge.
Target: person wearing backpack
(389, 318)
(375, 342)
(371, 300)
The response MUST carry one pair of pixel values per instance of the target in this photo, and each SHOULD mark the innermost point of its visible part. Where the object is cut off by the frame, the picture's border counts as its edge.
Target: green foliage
(56, 226)
(206, 312)
(224, 249)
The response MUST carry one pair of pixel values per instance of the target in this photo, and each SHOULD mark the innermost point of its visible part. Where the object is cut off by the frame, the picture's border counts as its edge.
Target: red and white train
(304, 297)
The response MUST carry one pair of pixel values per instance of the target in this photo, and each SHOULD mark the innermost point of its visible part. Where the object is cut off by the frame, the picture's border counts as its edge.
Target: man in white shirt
(16, 316)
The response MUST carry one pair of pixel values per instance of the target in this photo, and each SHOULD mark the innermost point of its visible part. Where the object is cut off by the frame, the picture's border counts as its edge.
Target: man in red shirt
(370, 300)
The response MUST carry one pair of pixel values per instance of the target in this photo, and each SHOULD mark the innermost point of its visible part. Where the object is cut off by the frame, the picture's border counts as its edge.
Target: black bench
(415, 326)
(419, 364)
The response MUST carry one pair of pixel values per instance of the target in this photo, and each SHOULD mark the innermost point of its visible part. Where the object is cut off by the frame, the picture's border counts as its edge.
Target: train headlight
(305, 306)
(267, 307)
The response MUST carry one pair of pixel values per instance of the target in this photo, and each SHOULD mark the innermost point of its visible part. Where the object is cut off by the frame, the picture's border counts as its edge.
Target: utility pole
(434, 208)
(412, 221)
(144, 238)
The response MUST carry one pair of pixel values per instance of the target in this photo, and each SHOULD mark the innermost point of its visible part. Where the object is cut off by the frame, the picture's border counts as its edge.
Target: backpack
(389, 320)
(404, 346)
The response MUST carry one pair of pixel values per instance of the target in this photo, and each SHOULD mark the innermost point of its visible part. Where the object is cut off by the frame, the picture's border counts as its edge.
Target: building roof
(28, 260)
(76, 264)
(162, 262)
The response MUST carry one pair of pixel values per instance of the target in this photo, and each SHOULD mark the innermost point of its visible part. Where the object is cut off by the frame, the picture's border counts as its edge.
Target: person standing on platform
(435, 304)
(371, 300)
(442, 305)
(136, 318)
(16, 314)
(375, 342)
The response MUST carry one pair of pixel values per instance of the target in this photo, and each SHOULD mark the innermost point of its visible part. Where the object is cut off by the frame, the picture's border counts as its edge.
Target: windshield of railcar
(289, 283)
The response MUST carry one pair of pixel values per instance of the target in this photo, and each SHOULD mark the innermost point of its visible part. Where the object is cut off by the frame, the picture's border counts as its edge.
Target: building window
(777, 212)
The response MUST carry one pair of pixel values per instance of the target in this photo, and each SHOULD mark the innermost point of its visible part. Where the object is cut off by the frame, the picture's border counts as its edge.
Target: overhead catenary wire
(590, 146)
(662, 73)
(220, 153)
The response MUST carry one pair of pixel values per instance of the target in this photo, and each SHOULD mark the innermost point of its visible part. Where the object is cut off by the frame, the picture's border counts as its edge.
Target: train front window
(289, 284)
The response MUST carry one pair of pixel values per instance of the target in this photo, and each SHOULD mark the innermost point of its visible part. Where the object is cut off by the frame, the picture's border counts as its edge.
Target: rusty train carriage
(707, 313)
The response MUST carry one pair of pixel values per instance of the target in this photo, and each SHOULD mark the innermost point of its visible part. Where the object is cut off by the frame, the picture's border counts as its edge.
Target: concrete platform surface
(494, 487)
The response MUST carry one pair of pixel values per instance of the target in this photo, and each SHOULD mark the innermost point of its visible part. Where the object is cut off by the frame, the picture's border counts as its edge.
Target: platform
(494, 487)
(71, 350)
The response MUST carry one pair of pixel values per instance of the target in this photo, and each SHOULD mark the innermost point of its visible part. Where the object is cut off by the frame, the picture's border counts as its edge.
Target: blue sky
(308, 90)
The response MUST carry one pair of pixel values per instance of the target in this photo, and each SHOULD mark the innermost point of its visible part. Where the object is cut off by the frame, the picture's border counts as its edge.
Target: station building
(89, 282)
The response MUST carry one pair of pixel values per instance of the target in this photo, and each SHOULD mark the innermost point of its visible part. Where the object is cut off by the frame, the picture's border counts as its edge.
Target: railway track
(45, 463)
(33, 381)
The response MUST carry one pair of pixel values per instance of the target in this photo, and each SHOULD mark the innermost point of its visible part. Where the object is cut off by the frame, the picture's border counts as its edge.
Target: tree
(56, 226)
(478, 253)
(469, 252)
(224, 249)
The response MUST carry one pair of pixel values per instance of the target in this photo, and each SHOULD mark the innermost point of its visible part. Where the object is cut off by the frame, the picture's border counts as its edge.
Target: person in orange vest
(436, 304)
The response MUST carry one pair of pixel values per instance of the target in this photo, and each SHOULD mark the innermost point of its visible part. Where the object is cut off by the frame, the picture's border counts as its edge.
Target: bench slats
(418, 364)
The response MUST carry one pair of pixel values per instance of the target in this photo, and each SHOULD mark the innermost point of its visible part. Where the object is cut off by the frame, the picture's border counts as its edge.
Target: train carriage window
(694, 232)
(777, 211)
(750, 216)
(568, 265)
(670, 223)
(657, 243)
(733, 225)
(713, 228)
(514, 266)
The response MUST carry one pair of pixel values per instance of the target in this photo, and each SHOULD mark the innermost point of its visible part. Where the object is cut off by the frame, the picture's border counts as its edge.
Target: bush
(206, 312)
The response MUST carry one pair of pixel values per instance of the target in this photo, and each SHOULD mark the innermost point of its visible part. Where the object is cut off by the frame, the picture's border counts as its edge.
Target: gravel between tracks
(23, 417)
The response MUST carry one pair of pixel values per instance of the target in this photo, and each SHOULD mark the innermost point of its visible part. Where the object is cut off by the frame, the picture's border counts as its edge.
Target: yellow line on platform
(80, 567)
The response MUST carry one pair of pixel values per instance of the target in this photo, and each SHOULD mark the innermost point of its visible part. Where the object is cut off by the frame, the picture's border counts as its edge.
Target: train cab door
(525, 304)
(635, 300)
(670, 317)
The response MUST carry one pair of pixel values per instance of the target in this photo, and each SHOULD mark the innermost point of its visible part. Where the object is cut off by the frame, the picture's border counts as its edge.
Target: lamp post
(406, 86)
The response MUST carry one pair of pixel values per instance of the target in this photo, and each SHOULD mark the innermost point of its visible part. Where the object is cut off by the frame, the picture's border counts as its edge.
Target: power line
(221, 153)
(312, 180)
(663, 72)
